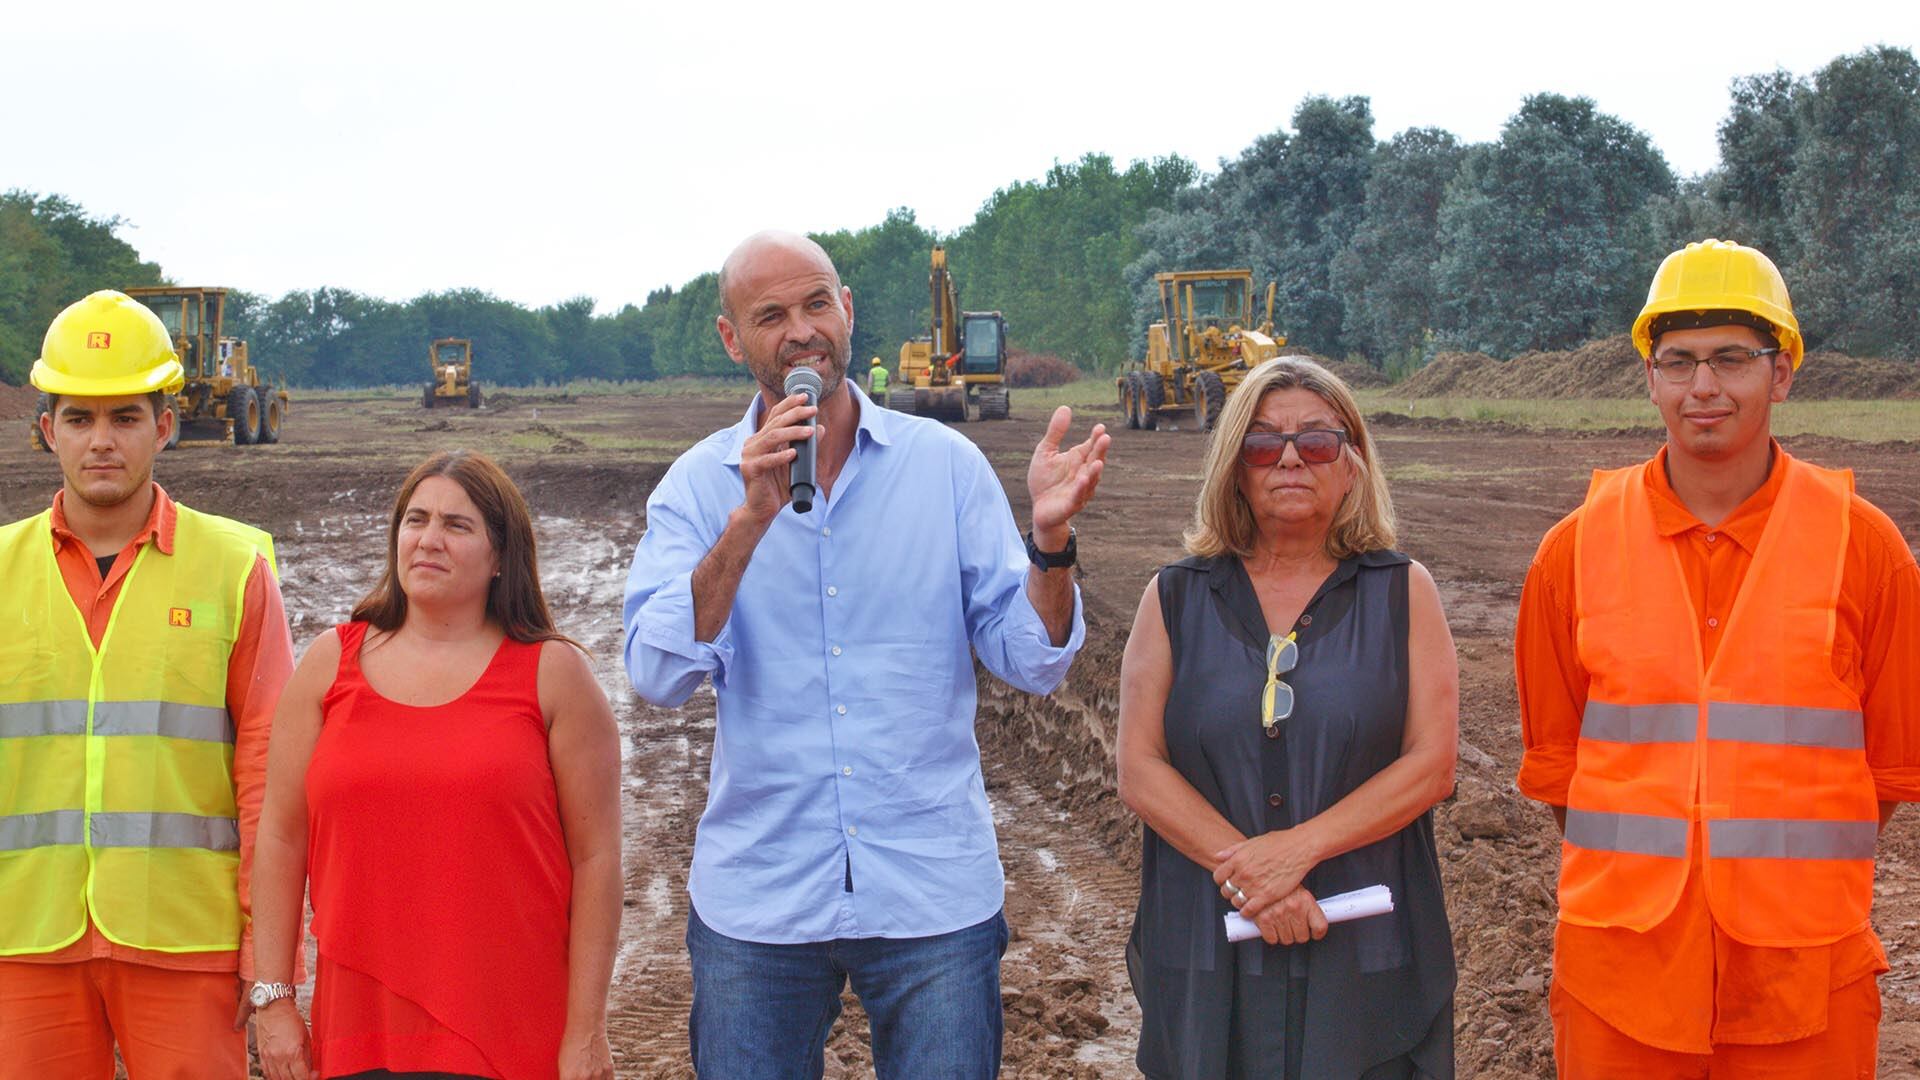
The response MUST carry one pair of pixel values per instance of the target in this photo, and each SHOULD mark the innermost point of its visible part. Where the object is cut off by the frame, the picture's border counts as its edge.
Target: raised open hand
(1061, 482)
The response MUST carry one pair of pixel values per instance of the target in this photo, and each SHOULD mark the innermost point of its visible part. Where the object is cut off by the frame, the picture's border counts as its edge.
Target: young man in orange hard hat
(145, 653)
(1718, 657)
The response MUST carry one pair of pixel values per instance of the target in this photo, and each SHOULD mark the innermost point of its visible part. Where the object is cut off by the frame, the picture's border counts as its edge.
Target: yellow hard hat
(876, 362)
(1720, 275)
(107, 345)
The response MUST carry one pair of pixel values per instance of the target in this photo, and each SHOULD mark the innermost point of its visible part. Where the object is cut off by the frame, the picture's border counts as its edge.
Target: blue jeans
(763, 1012)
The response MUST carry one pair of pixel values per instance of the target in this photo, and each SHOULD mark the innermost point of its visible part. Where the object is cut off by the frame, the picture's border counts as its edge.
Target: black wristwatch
(1052, 560)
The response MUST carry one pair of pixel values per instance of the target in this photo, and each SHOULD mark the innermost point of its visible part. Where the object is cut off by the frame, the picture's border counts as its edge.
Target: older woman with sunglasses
(1288, 718)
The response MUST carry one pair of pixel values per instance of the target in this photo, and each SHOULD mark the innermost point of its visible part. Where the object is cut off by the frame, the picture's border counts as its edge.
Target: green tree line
(1383, 249)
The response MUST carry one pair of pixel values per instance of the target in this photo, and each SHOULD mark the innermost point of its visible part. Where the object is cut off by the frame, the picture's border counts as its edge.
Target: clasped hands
(1261, 876)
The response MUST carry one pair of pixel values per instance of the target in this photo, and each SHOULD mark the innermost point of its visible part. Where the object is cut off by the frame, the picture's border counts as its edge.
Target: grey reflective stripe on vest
(21, 831)
(1669, 722)
(165, 831)
(1786, 725)
(205, 723)
(1779, 838)
(25, 719)
(1676, 722)
(1638, 834)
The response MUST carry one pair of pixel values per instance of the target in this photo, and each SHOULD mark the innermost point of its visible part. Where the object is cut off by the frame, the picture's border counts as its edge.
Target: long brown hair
(514, 599)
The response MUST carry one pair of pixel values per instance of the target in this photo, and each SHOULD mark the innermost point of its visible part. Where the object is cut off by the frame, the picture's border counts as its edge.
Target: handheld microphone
(804, 380)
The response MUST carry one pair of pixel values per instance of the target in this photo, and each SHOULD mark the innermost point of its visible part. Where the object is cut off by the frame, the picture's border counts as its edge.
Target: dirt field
(1473, 501)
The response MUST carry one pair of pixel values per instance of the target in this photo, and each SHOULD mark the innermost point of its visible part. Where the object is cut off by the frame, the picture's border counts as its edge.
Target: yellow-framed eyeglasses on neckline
(1276, 701)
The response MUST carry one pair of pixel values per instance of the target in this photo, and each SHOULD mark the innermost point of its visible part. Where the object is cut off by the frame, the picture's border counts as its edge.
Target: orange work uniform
(1686, 986)
(172, 1013)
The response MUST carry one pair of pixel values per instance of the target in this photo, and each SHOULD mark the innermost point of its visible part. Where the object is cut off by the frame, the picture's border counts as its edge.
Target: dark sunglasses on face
(1316, 446)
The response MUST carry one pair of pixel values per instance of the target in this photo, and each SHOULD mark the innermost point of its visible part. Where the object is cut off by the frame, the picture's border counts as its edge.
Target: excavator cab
(985, 343)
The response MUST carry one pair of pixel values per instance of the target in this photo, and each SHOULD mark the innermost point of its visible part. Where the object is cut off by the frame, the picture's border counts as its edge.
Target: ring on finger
(1239, 896)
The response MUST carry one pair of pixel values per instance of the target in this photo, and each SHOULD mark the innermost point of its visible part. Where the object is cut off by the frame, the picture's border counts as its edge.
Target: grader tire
(1126, 401)
(243, 406)
(270, 419)
(901, 400)
(426, 398)
(1209, 394)
(1153, 394)
(473, 395)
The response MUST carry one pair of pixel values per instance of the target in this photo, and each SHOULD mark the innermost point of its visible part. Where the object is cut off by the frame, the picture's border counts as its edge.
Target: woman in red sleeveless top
(445, 771)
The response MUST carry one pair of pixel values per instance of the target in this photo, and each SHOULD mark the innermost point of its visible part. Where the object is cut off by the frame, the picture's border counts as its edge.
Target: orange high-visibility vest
(1761, 754)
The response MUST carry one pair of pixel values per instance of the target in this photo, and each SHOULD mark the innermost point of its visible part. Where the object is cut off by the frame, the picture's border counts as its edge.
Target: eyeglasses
(1680, 367)
(1276, 701)
(1317, 446)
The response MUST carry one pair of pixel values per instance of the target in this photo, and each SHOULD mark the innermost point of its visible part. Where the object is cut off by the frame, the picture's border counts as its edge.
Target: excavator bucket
(941, 402)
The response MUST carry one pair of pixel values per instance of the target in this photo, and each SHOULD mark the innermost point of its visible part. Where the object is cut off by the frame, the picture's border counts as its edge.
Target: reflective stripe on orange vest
(1764, 749)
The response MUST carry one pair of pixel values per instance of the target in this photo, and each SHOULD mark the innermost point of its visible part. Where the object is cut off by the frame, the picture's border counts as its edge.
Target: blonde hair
(1223, 522)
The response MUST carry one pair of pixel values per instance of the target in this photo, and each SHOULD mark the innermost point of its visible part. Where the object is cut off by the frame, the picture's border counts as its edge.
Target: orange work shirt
(261, 662)
(1685, 984)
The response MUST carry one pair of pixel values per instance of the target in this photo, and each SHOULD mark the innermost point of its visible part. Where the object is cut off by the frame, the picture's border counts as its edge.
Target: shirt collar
(873, 424)
(1744, 526)
(159, 527)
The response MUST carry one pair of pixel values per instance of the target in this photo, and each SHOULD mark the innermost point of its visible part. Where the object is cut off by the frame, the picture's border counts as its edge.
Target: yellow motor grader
(1204, 343)
(223, 399)
(451, 360)
(959, 368)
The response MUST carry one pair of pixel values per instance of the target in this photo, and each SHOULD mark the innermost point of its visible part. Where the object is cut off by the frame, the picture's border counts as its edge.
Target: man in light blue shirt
(847, 832)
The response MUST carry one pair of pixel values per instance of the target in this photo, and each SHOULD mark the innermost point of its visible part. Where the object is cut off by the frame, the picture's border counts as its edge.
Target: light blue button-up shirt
(845, 680)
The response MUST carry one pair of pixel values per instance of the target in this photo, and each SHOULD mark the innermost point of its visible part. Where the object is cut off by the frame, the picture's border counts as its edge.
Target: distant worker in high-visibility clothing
(877, 381)
(1718, 658)
(145, 650)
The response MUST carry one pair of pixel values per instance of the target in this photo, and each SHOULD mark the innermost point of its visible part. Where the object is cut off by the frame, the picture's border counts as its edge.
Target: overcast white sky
(554, 149)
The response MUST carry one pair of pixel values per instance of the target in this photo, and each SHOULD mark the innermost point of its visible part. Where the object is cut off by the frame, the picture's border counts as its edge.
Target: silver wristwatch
(264, 994)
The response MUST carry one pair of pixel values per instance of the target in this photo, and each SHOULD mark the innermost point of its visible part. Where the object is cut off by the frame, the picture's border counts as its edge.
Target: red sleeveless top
(440, 877)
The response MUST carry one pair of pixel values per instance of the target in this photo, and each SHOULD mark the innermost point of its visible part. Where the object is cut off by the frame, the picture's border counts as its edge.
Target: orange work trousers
(1586, 1047)
(60, 1022)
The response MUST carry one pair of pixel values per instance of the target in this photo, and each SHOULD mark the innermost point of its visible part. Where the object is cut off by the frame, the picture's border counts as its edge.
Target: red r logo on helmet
(99, 339)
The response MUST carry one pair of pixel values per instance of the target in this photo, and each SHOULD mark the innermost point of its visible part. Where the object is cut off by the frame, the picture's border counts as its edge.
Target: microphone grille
(803, 378)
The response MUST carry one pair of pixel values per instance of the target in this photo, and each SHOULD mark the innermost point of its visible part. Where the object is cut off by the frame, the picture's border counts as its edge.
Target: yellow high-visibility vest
(116, 763)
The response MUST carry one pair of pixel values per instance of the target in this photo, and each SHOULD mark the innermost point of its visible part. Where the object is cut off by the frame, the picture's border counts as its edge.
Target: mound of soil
(1611, 368)
(17, 402)
(1449, 374)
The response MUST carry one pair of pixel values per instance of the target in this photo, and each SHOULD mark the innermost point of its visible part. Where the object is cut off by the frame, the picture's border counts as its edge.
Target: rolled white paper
(1358, 904)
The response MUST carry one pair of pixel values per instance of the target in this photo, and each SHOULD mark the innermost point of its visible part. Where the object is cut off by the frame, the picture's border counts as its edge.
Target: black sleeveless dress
(1374, 998)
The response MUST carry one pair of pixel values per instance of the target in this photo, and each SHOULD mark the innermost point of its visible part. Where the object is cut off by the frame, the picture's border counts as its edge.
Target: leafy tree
(1853, 204)
(1384, 277)
(1758, 140)
(52, 253)
(1546, 237)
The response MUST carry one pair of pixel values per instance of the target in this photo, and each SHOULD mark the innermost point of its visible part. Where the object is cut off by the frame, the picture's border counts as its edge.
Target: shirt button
(841, 709)
(826, 532)
(831, 591)
(1711, 623)
(1275, 799)
(846, 770)
(836, 650)
(853, 830)
(1273, 732)
(1306, 620)
(1711, 537)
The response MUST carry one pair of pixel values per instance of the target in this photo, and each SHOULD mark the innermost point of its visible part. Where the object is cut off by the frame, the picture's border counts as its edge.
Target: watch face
(258, 996)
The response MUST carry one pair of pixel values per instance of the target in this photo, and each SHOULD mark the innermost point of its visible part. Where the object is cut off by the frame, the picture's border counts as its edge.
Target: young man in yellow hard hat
(877, 379)
(1718, 658)
(145, 651)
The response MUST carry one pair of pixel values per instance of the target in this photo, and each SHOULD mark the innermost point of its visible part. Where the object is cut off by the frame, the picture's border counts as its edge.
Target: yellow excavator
(451, 360)
(1203, 345)
(959, 368)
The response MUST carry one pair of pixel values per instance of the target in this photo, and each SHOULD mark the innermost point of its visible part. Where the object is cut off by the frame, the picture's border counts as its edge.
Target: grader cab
(451, 360)
(223, 399)
(1204, 343)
